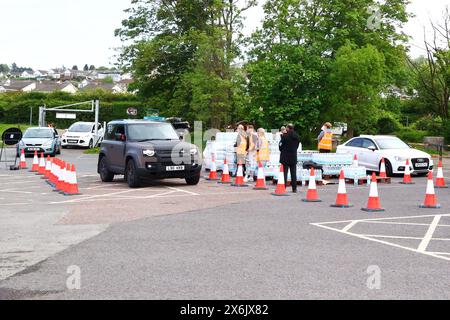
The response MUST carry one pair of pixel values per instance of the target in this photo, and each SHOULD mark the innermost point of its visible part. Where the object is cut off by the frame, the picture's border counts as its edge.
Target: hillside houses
(72, 87)
(65, 80)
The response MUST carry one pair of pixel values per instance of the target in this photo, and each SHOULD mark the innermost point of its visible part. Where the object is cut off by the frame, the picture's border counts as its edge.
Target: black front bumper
(158, 171)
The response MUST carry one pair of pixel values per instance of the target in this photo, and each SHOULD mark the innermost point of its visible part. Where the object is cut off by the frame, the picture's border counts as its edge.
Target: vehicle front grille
(34, 145)
(420, 163)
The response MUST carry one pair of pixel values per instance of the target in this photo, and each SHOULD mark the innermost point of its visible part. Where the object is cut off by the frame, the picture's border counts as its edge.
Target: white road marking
(15, 191)
(426, 240)
(422, 247)
(91, 197)
(349, 226)
(181, 190)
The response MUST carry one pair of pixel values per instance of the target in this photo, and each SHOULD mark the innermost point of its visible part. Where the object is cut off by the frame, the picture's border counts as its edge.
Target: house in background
(115, 88)
(114, 75)
(27, 75)
(51, 86)
(18, 85)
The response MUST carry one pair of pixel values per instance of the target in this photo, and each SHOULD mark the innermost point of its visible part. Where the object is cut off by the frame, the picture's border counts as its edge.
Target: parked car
(370, 150)
(40, 139)
(142, 149)
(82, 134)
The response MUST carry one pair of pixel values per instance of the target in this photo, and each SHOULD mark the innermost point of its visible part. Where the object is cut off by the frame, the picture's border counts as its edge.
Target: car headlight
(48, 144)
(148, 152)
(400, 159)
(21, 143)
(194, 151)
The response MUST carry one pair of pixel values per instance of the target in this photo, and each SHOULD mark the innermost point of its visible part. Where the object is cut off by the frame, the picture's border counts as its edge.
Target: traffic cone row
(61, 176)
(373, 203)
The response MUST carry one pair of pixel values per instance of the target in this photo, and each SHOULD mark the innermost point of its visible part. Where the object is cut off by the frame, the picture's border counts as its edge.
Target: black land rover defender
(142, 149)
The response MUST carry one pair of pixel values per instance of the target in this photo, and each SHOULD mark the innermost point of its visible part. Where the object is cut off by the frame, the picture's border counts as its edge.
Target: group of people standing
(253, 147)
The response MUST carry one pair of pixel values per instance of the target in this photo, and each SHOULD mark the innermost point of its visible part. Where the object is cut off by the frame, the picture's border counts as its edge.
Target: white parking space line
(426, 240)
(91, 197)
(181, 190)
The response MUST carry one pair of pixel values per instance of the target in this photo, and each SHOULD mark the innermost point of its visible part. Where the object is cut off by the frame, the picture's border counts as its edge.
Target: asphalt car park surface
(169, 240)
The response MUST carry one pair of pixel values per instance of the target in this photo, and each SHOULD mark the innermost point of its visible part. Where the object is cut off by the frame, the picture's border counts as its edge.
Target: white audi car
(370, 150)
(82, 134)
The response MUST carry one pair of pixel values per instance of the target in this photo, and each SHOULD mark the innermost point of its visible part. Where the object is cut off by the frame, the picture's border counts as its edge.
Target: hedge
(15, 107)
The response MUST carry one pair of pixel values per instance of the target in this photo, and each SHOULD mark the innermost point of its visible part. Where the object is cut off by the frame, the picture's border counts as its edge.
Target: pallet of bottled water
(355, 173)
(333, 159)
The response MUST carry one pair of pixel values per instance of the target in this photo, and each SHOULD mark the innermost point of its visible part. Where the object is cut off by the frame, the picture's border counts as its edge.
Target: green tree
(86, 67)
(291, 56)
(356, 80)
(182, 53)
(75, 67)
(4, 68)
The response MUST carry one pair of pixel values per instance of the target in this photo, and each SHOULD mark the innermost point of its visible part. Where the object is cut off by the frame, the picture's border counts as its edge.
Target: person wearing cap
(288, 154)
(325, 139)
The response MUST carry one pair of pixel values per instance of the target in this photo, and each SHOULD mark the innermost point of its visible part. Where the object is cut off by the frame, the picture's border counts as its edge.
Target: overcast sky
(51, 33)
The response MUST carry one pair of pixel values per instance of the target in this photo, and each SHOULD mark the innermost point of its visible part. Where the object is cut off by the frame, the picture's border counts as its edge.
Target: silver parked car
(40, 139)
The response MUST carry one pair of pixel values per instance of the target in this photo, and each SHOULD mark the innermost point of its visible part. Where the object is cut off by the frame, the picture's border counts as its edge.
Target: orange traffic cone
(355, 161)
(281, 185)
(407, 176)
(72, 187)
(383, 169)
(440, 181)
(311, 195)
(60, 168)
(341, 199)
(213, 171)
(225, 173)
(430, 196)
(373, 205)
(41, 168)
(239, 181)
(48, 167)
(35, 167)
(23, 161)
(261, 180)
(53, 173)
(65, 179)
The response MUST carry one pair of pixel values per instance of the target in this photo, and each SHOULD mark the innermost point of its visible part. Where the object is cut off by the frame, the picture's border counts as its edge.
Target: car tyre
(193, 181)
(105, 174)
(131, 175)
(91, 144)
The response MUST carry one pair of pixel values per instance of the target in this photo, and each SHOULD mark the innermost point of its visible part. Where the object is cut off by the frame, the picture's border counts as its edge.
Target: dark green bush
(15, 107)
(411, 135)
(387, 125)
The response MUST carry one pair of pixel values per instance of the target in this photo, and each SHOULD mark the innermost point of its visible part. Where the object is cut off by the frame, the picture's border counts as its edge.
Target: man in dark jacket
(288, 158)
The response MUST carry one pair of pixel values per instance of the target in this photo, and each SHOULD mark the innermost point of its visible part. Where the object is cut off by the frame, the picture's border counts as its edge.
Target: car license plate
(175, 168)
(422, 165)
(72, 141)
(34, 149)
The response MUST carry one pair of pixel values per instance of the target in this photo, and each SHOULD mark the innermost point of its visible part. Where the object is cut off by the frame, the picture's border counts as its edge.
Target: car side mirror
(372, 148)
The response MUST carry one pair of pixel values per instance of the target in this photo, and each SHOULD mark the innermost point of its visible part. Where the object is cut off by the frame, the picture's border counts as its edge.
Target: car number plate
(34, 149)
(175, 168)
(72, 141)
(422, 165)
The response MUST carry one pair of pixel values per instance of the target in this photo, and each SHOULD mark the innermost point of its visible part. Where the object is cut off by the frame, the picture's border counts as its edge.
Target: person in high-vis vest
(263, 148)
(241, 146)
(251, 165)
(325, 139)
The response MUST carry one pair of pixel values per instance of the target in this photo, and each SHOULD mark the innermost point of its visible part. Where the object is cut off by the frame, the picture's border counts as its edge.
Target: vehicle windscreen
(392, 143)
(38, 133)
(80, 127)
(151, 131)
